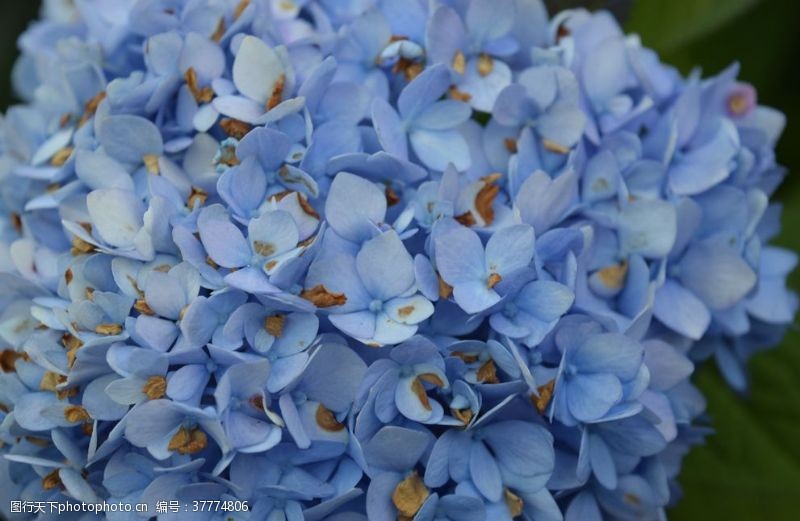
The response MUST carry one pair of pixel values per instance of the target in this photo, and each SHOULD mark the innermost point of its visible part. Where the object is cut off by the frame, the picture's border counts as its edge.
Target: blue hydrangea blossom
(372, 259)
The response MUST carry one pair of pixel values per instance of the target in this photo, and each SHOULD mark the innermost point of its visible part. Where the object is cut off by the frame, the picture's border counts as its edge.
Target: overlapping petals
(372, 259)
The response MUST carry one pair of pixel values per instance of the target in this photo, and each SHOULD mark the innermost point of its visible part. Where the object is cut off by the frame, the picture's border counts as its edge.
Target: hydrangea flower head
(372, 259)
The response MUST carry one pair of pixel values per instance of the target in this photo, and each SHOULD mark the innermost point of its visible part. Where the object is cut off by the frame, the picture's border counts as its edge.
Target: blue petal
(485, 473)
(129, 138)
(385, 266)
(509, 249)
(717, 274)
(423, 91)
(222, 240)
(680, 310)
(396, 448)
(389, 129)
(609, 352)
(591, 396)
(354, 206)
(439, 148)
(256, 69)
(117, 215)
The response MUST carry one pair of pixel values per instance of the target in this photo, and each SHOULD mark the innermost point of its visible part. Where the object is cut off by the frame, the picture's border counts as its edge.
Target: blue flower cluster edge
(346, 260)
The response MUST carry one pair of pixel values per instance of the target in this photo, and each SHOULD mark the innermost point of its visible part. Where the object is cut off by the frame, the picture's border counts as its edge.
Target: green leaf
(750, 468)
(669, 24)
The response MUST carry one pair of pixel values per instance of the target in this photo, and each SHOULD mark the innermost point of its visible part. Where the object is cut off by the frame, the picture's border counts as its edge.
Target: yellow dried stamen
(89, 293)
(545, 395)
(487, 374)
(514, 503)
(264, 249)
(274, 325)
(240, 7)
(228, 156)
(16, 222)
(459, 95)
(80, 247)
(155, 387)
(70, 341)
(219, 32)
(409, 495)
(198, 197)
(418, 389)
(68, 275)
(257, 401)
(63, 394)
(466, 357)
(552, 146)
(183, 312)
(466, 219)
(143, 307)
(431, 378)
(71, 344)
(322, 298)
(64, 121)
(72, 355)
(463, 415)
(409, 68)
(326, 419)
(277, 93)
(76, 413)
(91, 107)
(8, 360)
(486, 197)
(493, 280)
(405, 311)
(151, 164)
(211, 263)
(485, 64)
(511, 145)
(306, 206)
(445, 289)
(39, 442)
(632, 499)
(108, 329)
(235, 128)
(51, 480)
(391, 196)
(60, 157)
(459, 62)
(187, 441)
(49, 381)
(201, 95)
(738, 103)
(613, 276)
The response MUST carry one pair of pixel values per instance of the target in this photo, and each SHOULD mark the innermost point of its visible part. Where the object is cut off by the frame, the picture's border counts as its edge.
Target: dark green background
(749, 470)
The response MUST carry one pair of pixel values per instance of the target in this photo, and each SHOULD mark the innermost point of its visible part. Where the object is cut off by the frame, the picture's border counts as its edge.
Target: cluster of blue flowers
(371, 259)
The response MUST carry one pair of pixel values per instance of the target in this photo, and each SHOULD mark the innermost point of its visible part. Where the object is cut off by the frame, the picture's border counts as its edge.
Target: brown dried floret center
(188, 441)
(409, 495)
(326, 419)
(274, 325)
(155, 387)
(322, 298)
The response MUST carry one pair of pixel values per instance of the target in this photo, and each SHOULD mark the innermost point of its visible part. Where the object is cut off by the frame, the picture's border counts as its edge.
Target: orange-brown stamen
(322, 298)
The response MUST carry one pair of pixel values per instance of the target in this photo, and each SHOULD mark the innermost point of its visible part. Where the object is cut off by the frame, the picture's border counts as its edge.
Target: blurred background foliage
(750, 469)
